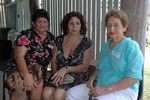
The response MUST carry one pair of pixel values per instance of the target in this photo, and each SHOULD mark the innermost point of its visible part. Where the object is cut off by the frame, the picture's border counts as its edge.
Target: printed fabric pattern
(38, 50)
(75, 58)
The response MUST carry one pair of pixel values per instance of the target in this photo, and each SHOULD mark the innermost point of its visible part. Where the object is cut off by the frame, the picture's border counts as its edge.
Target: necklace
(75, 43)
(73, 46)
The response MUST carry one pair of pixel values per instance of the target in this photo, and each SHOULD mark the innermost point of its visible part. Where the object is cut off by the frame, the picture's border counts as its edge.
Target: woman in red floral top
(33, 45)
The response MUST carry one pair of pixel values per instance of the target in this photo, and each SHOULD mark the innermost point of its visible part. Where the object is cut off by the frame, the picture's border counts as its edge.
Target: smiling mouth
(42, 27)
(111, 33)
(73, 30)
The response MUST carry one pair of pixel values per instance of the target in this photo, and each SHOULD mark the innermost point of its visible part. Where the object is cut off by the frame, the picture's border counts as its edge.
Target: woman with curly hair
(72, 55)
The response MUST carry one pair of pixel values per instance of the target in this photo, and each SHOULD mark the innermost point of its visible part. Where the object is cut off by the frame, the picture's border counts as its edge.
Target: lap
(126, 94)
(80, 92)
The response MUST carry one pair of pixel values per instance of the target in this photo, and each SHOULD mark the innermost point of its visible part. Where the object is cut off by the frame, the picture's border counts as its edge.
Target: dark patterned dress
(75, 58)
(38, 50)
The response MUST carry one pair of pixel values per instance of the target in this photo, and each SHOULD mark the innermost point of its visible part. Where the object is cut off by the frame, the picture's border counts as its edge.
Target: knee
(47, 93)
(36, 93)
(59, 94)
(38, 89)
(21, 95)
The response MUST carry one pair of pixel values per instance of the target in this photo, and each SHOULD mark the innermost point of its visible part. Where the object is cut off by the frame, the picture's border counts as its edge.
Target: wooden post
(33, 7)
(137, 11)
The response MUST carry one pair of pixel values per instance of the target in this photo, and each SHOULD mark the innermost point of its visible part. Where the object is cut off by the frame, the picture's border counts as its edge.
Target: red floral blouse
(38, 50)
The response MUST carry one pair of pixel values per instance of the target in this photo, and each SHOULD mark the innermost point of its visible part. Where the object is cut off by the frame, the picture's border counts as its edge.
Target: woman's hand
(58, 77)
(29, 83)
(98, 90)
(90, 82)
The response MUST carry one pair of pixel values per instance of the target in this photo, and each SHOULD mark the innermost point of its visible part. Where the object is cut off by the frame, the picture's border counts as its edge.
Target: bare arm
(53, 61)
(85, 62)
(91, 79)
(122, 84)
(19, 54)
(59, 75)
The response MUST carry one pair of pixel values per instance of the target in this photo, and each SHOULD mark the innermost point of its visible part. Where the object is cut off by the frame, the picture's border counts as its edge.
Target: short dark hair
(66, 19)
(40, 13)
(118, 14)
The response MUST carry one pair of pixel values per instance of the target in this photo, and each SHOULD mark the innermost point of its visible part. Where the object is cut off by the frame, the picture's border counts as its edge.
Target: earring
(67, 31)
(81, 31)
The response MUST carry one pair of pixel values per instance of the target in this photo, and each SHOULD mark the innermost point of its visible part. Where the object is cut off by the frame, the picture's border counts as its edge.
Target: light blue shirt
(124, 60)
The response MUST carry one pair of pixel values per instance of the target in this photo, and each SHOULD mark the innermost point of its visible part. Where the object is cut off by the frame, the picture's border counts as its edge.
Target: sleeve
(22, 39)
(135, 62)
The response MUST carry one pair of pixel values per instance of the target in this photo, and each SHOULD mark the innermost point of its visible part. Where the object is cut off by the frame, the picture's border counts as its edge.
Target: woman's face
(74, 26)
(40, 24)
(115, 28)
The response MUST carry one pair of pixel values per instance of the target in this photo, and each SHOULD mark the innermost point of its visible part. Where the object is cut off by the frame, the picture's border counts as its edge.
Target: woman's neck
(118, 40)
(41, 34)
(70, 43)
(71, 37)
(114, 42)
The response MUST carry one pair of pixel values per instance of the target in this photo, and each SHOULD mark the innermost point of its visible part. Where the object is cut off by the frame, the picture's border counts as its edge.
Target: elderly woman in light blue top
(119, 68)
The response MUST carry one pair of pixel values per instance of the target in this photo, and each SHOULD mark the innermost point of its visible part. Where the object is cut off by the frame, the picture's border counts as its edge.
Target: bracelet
(68, 69)
(109, 88)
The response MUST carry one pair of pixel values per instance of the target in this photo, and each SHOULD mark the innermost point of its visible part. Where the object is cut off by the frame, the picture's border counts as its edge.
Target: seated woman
(34, 45)
(119, 68)
(72, 55)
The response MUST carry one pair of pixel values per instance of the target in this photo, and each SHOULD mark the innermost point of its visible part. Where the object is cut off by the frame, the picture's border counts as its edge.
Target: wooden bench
(92, 66)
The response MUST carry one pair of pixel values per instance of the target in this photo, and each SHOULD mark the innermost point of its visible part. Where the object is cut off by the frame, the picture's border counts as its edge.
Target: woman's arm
(19, 54)
(85, 62)
(120, 85)
(91, 79)
(53, 61)
(59, 75)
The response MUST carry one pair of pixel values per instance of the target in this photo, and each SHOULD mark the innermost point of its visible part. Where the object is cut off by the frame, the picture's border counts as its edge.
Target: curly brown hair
(40, 13)
(66, 19)
(118, 14)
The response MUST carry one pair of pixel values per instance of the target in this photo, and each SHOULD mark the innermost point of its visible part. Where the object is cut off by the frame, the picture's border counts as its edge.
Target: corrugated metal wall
(93, 10)
(2, 14)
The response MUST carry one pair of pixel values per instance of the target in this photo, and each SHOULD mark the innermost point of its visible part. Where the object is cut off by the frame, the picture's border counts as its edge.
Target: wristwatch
(68, 69)
(110, 89)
